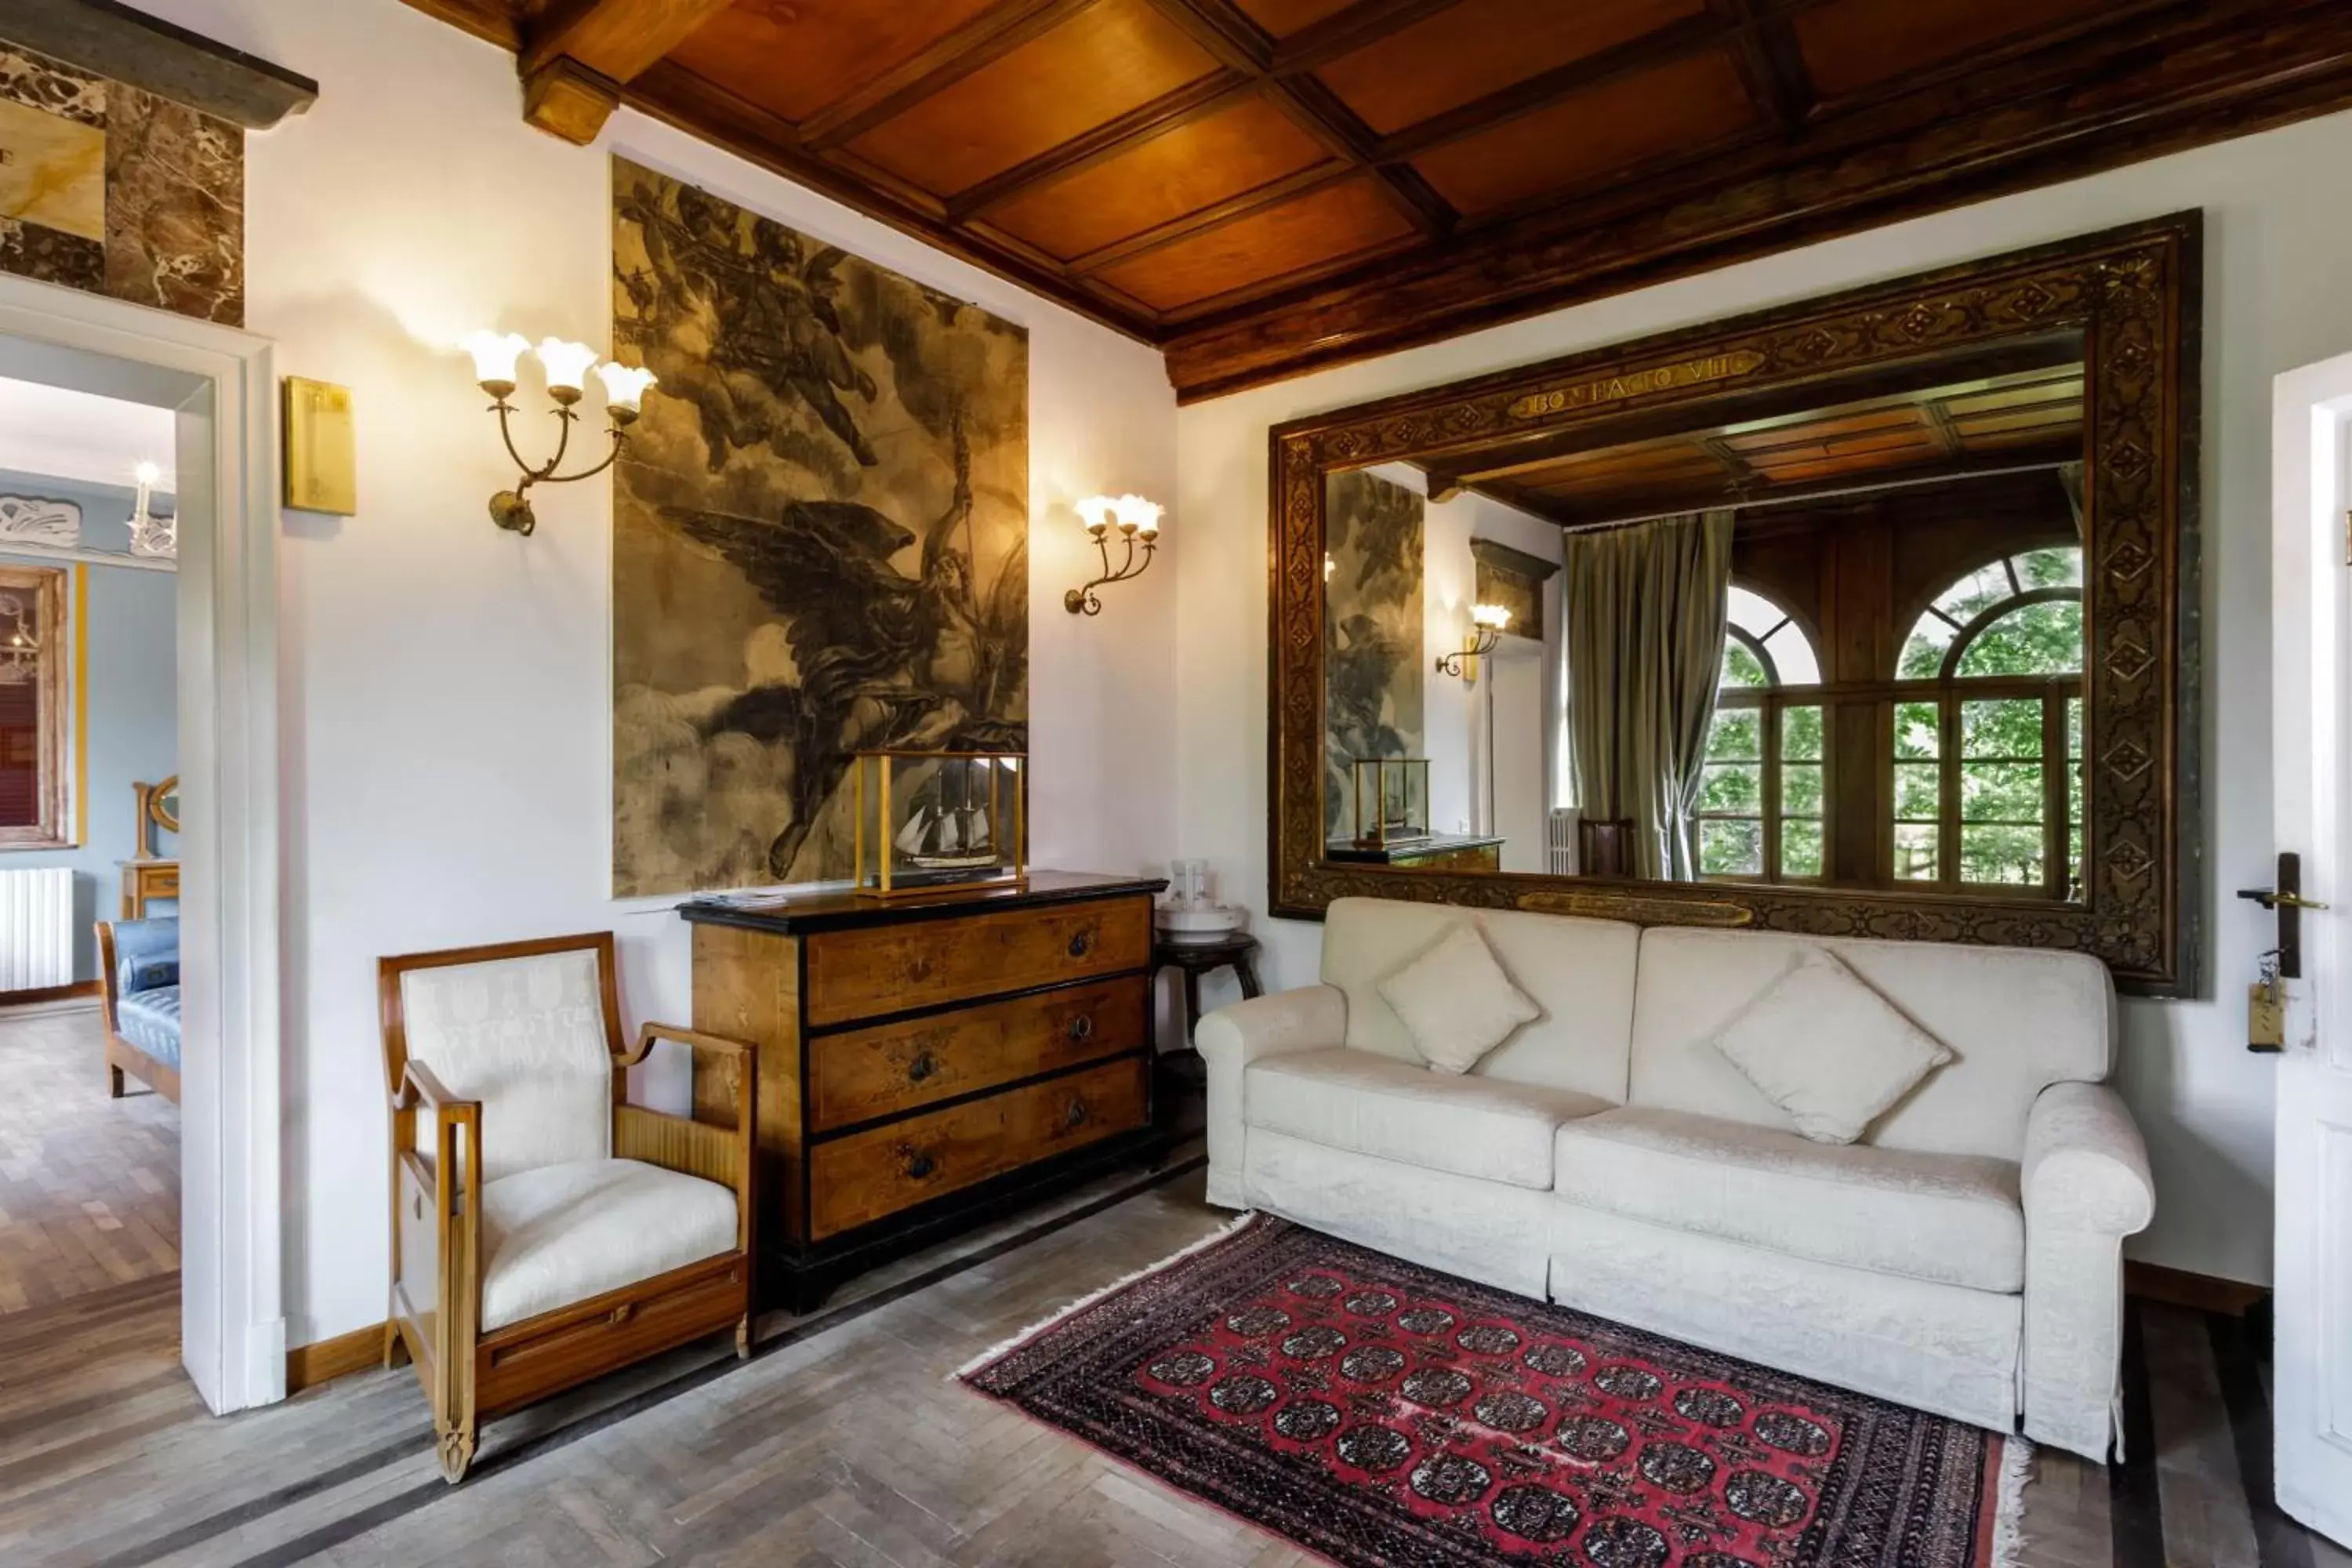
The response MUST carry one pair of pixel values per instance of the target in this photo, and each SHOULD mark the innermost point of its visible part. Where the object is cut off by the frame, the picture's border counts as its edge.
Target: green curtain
(1645, 609)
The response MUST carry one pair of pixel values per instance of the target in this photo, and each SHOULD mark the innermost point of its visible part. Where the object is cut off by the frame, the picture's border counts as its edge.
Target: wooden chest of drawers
(924, 1064)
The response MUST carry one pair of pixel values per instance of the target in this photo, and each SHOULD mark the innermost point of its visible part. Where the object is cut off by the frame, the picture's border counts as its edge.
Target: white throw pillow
(1829, 1050)
(1457, 1002)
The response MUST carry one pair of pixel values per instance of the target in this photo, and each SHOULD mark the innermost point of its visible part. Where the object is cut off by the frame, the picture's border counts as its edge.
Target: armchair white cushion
(561, 1233)
(2086, 1187)
(526, 1037)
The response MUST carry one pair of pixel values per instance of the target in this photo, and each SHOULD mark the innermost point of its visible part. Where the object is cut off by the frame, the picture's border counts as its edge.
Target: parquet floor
(89, 1188)
(844, 1443)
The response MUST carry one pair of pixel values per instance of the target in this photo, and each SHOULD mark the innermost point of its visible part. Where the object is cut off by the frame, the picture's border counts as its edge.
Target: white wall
(2276, 296)
(445, 686)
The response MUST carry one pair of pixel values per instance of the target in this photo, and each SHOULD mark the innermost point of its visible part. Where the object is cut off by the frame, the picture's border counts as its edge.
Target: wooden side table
(146, 880)
(1237, 952)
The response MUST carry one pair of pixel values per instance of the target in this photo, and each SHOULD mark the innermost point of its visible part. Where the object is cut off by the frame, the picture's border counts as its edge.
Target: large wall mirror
(1860, 616)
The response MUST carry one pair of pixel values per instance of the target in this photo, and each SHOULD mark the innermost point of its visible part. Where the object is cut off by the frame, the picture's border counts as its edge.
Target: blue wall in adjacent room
(131, 651)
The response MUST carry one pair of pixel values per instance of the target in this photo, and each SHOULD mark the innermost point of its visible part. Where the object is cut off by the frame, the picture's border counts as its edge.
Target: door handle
(2286, 902)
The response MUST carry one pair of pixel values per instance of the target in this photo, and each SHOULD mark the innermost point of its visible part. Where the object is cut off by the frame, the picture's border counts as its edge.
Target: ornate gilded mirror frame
(2134, 295)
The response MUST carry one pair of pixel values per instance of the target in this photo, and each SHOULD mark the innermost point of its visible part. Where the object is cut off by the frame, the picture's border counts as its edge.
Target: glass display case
(927, 821)
(1391, 801)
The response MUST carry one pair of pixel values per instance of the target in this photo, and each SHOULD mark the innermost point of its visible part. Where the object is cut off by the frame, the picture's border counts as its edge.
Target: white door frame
(2311, 598)
(233, 1325)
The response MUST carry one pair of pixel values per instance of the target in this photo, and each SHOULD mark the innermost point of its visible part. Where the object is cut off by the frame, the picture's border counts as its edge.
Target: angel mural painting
(820, 539)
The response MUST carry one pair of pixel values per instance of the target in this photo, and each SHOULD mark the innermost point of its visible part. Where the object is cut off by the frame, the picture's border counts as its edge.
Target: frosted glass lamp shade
(1139, 516)
(1095, 512)
(1492, 616)
(496, 354)
(567, 364)
(625, 388)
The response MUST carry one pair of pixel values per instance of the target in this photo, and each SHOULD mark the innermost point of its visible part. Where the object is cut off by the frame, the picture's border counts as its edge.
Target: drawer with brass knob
(869, 1175)
(871, 1072)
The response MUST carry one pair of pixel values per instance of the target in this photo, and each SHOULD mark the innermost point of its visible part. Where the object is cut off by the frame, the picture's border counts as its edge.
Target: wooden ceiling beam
(1195, 101)
(1771, 64)
(575, 60)
(1675, 41)
(946, 61)
(1345, 32)
(1160, 237)
(1243, 47)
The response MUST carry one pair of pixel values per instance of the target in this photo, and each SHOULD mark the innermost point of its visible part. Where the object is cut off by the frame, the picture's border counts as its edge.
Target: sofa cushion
(2017, 1021)
(1955, 1219)
(1580, 972)
(1467, 1125)
(1829, 1050)
(149, 1019)
(526, 1037)
(1455, 1001)
(559, 1234)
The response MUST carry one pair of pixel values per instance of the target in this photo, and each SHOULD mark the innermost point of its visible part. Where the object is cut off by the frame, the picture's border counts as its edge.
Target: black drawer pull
(920, 1164)
(1075, 1116)
(922, 1067)
(1080, 942)
(1082, 1028)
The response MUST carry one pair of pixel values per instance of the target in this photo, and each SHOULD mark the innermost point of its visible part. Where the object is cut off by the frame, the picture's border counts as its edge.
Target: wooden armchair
(543, 1230)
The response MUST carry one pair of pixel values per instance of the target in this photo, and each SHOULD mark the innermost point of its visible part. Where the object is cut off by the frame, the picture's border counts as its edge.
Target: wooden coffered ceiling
(1263, 187)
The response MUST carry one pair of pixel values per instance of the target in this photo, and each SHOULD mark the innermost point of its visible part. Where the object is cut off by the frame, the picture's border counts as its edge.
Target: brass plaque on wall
(321, 455)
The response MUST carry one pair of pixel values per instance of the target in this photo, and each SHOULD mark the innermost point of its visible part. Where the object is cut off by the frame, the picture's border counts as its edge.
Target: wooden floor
(89, 1188)
(845, 1442)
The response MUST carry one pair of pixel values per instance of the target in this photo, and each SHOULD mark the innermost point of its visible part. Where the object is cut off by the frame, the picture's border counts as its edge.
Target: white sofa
(1964, 1257)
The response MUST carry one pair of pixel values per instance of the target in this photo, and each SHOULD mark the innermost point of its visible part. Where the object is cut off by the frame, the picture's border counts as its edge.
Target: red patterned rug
(1381, 1414)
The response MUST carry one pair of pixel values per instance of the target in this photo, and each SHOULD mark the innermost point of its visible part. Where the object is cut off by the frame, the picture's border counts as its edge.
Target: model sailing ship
(938, 836)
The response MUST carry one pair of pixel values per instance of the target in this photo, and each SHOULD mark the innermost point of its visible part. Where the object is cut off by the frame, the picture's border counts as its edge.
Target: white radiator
(36, 928)
(1559, 840)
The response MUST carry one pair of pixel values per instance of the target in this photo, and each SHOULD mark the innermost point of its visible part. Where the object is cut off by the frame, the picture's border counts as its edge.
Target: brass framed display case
(933, 821)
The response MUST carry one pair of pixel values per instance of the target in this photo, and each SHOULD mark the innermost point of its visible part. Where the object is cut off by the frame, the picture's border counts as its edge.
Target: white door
(2311, 593)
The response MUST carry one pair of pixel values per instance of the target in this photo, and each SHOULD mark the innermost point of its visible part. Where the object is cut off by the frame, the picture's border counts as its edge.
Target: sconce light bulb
(148, 474)
(625, 388)
(496, 354)
(1137, 515)
(1493, 616)
(567, 365)
(1095, 511)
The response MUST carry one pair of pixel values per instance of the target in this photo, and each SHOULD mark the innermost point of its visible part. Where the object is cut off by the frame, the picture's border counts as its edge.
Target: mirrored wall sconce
(1138, 522)
(1486, 623)
(495, 357)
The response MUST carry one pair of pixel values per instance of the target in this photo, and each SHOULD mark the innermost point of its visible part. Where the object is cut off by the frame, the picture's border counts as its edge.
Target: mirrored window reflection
(1988, 788)
(1763, 798)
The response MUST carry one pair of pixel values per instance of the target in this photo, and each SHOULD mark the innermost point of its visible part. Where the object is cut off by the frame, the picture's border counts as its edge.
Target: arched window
(1988, 755)
(1761, 813)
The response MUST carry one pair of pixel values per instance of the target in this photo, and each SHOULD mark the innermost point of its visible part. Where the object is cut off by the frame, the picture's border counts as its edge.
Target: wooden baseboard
(309, 1365)
(49, 993)
(2181, 1287)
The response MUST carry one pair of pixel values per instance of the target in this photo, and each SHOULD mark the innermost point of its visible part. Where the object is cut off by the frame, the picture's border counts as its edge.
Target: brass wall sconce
(496, 356)
(1486, 623)
(1138, 522)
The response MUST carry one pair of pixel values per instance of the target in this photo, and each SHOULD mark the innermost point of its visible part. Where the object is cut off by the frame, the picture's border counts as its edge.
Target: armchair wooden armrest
(690, 1145)
(419, 1086)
